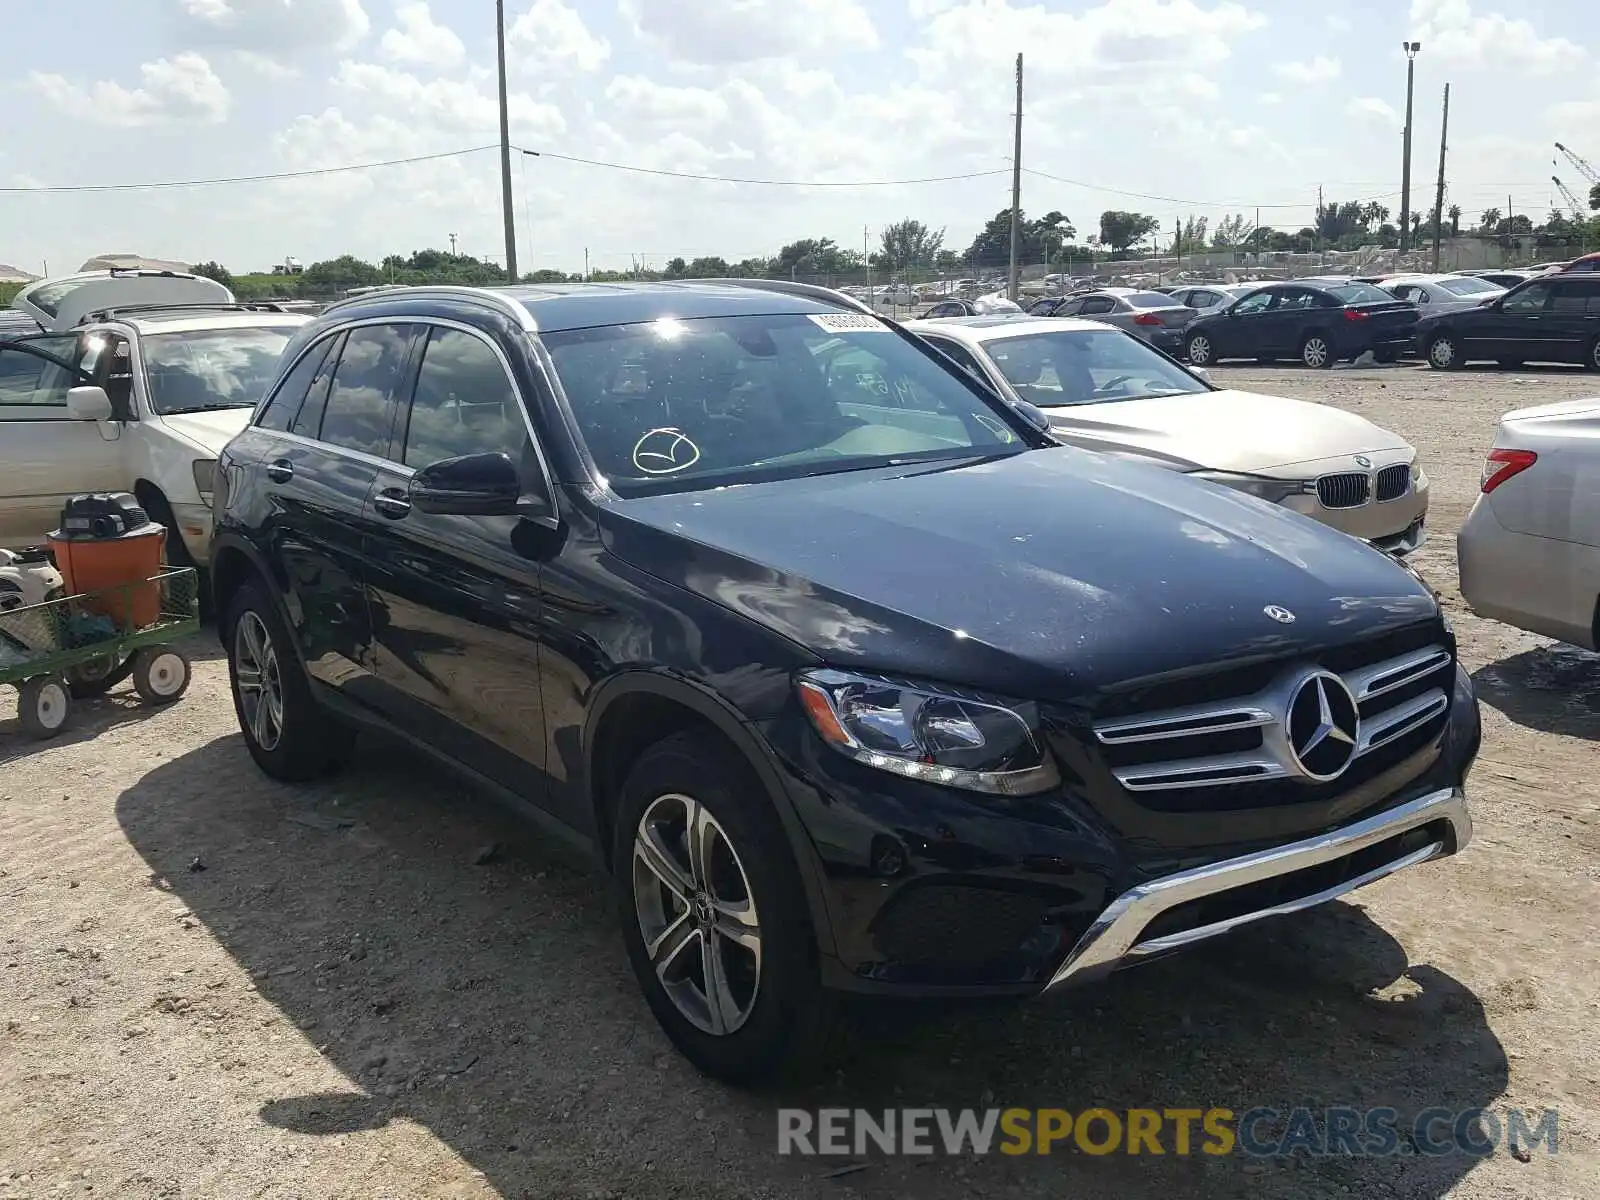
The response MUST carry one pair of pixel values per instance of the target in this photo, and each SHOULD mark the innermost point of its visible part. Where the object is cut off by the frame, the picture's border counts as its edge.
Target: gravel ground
(213, 986)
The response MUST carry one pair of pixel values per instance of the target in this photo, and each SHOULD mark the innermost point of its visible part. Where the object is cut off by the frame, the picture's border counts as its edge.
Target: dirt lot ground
(212, 986)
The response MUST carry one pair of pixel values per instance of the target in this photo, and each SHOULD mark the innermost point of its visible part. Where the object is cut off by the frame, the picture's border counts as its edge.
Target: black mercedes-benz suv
(850, 677)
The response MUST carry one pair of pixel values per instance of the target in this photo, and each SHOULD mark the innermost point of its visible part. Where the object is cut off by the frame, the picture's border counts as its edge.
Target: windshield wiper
(206, 408)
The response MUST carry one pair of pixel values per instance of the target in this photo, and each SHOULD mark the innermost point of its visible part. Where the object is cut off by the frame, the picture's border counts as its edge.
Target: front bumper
(1431, 826)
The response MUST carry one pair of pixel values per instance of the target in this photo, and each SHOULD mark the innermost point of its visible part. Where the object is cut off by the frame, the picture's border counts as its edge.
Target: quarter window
(371, 370)
(464, 403)
(284, 406)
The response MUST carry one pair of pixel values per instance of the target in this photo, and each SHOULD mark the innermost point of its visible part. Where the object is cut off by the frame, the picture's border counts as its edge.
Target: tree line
(911, 248)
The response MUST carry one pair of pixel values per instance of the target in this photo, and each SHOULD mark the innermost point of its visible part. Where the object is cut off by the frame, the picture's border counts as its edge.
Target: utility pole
(586, 264)
(1438, 199)
(452, 245)
(866, 257)
(1016, 190)
(1411, 49)
(1321, 262)
(506, 205)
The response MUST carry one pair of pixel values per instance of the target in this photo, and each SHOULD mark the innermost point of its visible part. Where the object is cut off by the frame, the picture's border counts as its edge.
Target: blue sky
(1211, 106)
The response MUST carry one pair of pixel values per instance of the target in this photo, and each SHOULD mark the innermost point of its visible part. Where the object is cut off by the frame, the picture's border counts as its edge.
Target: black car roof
(562, 306)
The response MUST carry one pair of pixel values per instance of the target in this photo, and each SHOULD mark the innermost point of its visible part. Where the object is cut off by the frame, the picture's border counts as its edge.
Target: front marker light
(205, 481)
(1273, 491)
(928, 733)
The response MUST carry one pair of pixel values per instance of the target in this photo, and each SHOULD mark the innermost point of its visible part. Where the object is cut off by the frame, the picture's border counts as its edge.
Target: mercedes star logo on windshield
(1323, 725)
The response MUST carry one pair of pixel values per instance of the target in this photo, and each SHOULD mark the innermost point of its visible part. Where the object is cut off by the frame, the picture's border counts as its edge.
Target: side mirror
(89, 403)
(1034, 415)
(474, 485)
(1201, 373)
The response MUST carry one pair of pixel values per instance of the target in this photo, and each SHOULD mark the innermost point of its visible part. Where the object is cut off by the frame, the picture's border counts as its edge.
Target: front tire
(286, 732)
(1315, 352)
(1443, 353)
(714, 914)
(1200, 351)
(1592, 359)
(45, 706)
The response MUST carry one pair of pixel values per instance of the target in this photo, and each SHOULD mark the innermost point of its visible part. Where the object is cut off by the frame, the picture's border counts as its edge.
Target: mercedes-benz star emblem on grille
(1279, 613)
(1363, 461)
(1323, 725)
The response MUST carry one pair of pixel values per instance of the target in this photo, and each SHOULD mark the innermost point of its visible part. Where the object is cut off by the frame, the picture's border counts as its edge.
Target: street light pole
(1411, 49)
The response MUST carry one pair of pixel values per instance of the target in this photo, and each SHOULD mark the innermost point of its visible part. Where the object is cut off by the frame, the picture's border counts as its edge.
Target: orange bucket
(127, 564)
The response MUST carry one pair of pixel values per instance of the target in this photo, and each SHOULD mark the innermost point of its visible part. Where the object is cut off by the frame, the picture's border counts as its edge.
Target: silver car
(1153, 316)
(1106, 391)
(1435, 294)
(1205, 297)
(1529, 553)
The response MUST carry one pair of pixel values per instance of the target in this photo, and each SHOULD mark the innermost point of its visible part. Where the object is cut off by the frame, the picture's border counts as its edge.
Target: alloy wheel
(1315, 352)
(1442, 353)
(259, 679)
(697, 914)
(1199, 351)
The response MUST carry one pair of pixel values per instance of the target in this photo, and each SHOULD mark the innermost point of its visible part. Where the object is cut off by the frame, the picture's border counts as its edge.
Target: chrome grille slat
(1347, 489)
(1228, 762)
(1382, 678)
(1392, 483)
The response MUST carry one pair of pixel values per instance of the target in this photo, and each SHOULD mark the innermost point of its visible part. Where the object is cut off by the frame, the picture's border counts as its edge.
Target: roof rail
(122, 310)
(788, 287)
(489, 297)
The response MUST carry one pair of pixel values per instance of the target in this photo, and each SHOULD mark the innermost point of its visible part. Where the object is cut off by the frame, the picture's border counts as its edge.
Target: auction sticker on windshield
(848, 323)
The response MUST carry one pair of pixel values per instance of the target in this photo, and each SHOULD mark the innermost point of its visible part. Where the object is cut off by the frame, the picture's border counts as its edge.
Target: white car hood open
(213, 430)
(1221, 431)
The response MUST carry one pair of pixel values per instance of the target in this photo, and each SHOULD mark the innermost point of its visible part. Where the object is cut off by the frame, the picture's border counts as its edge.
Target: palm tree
(1455, 220)
(1490, 221)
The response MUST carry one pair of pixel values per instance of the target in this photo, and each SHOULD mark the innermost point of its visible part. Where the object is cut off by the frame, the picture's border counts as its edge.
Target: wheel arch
(234, 563)
(633, 711)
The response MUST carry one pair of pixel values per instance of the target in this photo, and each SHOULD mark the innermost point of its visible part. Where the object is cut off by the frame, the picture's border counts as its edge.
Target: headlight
(1273, 491)
(933, 734)
(1419, 477)
(205, 482)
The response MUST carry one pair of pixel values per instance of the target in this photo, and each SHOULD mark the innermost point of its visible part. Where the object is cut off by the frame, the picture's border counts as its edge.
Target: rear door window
(1576, 297)
(373, 367)
(1096, 305)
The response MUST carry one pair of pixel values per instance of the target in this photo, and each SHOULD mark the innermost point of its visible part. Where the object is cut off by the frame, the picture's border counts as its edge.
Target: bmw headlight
(1419, 477)
(934, 734)
(1273, 491)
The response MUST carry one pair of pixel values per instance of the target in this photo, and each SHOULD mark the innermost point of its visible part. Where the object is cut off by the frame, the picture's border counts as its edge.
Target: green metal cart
(78, 646)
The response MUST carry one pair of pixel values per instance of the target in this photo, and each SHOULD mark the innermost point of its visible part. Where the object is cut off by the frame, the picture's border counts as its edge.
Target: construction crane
(1580, 164)
(1578, 213)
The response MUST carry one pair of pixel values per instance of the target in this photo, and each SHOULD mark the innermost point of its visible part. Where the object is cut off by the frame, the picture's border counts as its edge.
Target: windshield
(1469, 287)
(1360, 293)
(672, 405)
(211, 368)
(1067, 367)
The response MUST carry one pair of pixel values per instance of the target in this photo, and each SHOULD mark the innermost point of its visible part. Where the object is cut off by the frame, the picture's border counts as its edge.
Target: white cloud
(1320, 69)
(266, 67)
(282, 30)
(1451, 33)
(418, 38)
(458, 107)
(1372, 108)
(1336, 24)
(181, 88)
(723, 32)
(551, 35)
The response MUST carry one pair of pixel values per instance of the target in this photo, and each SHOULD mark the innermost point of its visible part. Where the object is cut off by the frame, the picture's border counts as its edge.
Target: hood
(211, 430)
(1052, 574)
(1221, 431)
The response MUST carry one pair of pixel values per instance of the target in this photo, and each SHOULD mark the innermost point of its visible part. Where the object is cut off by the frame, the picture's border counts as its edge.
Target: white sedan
(1529, 553)
(1434, 294)
(1105, 390)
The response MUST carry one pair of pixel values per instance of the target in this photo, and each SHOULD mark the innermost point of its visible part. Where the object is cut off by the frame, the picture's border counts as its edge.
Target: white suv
(136, 399)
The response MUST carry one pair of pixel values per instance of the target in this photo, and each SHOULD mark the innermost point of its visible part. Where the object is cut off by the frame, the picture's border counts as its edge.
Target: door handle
(280, 471)
(392, 503)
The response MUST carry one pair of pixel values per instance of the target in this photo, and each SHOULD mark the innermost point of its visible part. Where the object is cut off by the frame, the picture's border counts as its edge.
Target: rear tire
(774, 1018)
(1316, 352)
(160, 674)
(287, 733)
(1592, 359)
(1443, 353)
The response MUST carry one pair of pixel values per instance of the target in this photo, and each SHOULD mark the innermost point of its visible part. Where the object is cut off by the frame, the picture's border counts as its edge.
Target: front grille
(1393, 482)
(1389, 698)
(1349, 489)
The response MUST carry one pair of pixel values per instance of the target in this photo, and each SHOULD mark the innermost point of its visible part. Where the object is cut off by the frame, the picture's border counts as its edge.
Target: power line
(806, 183)
(268, 177)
